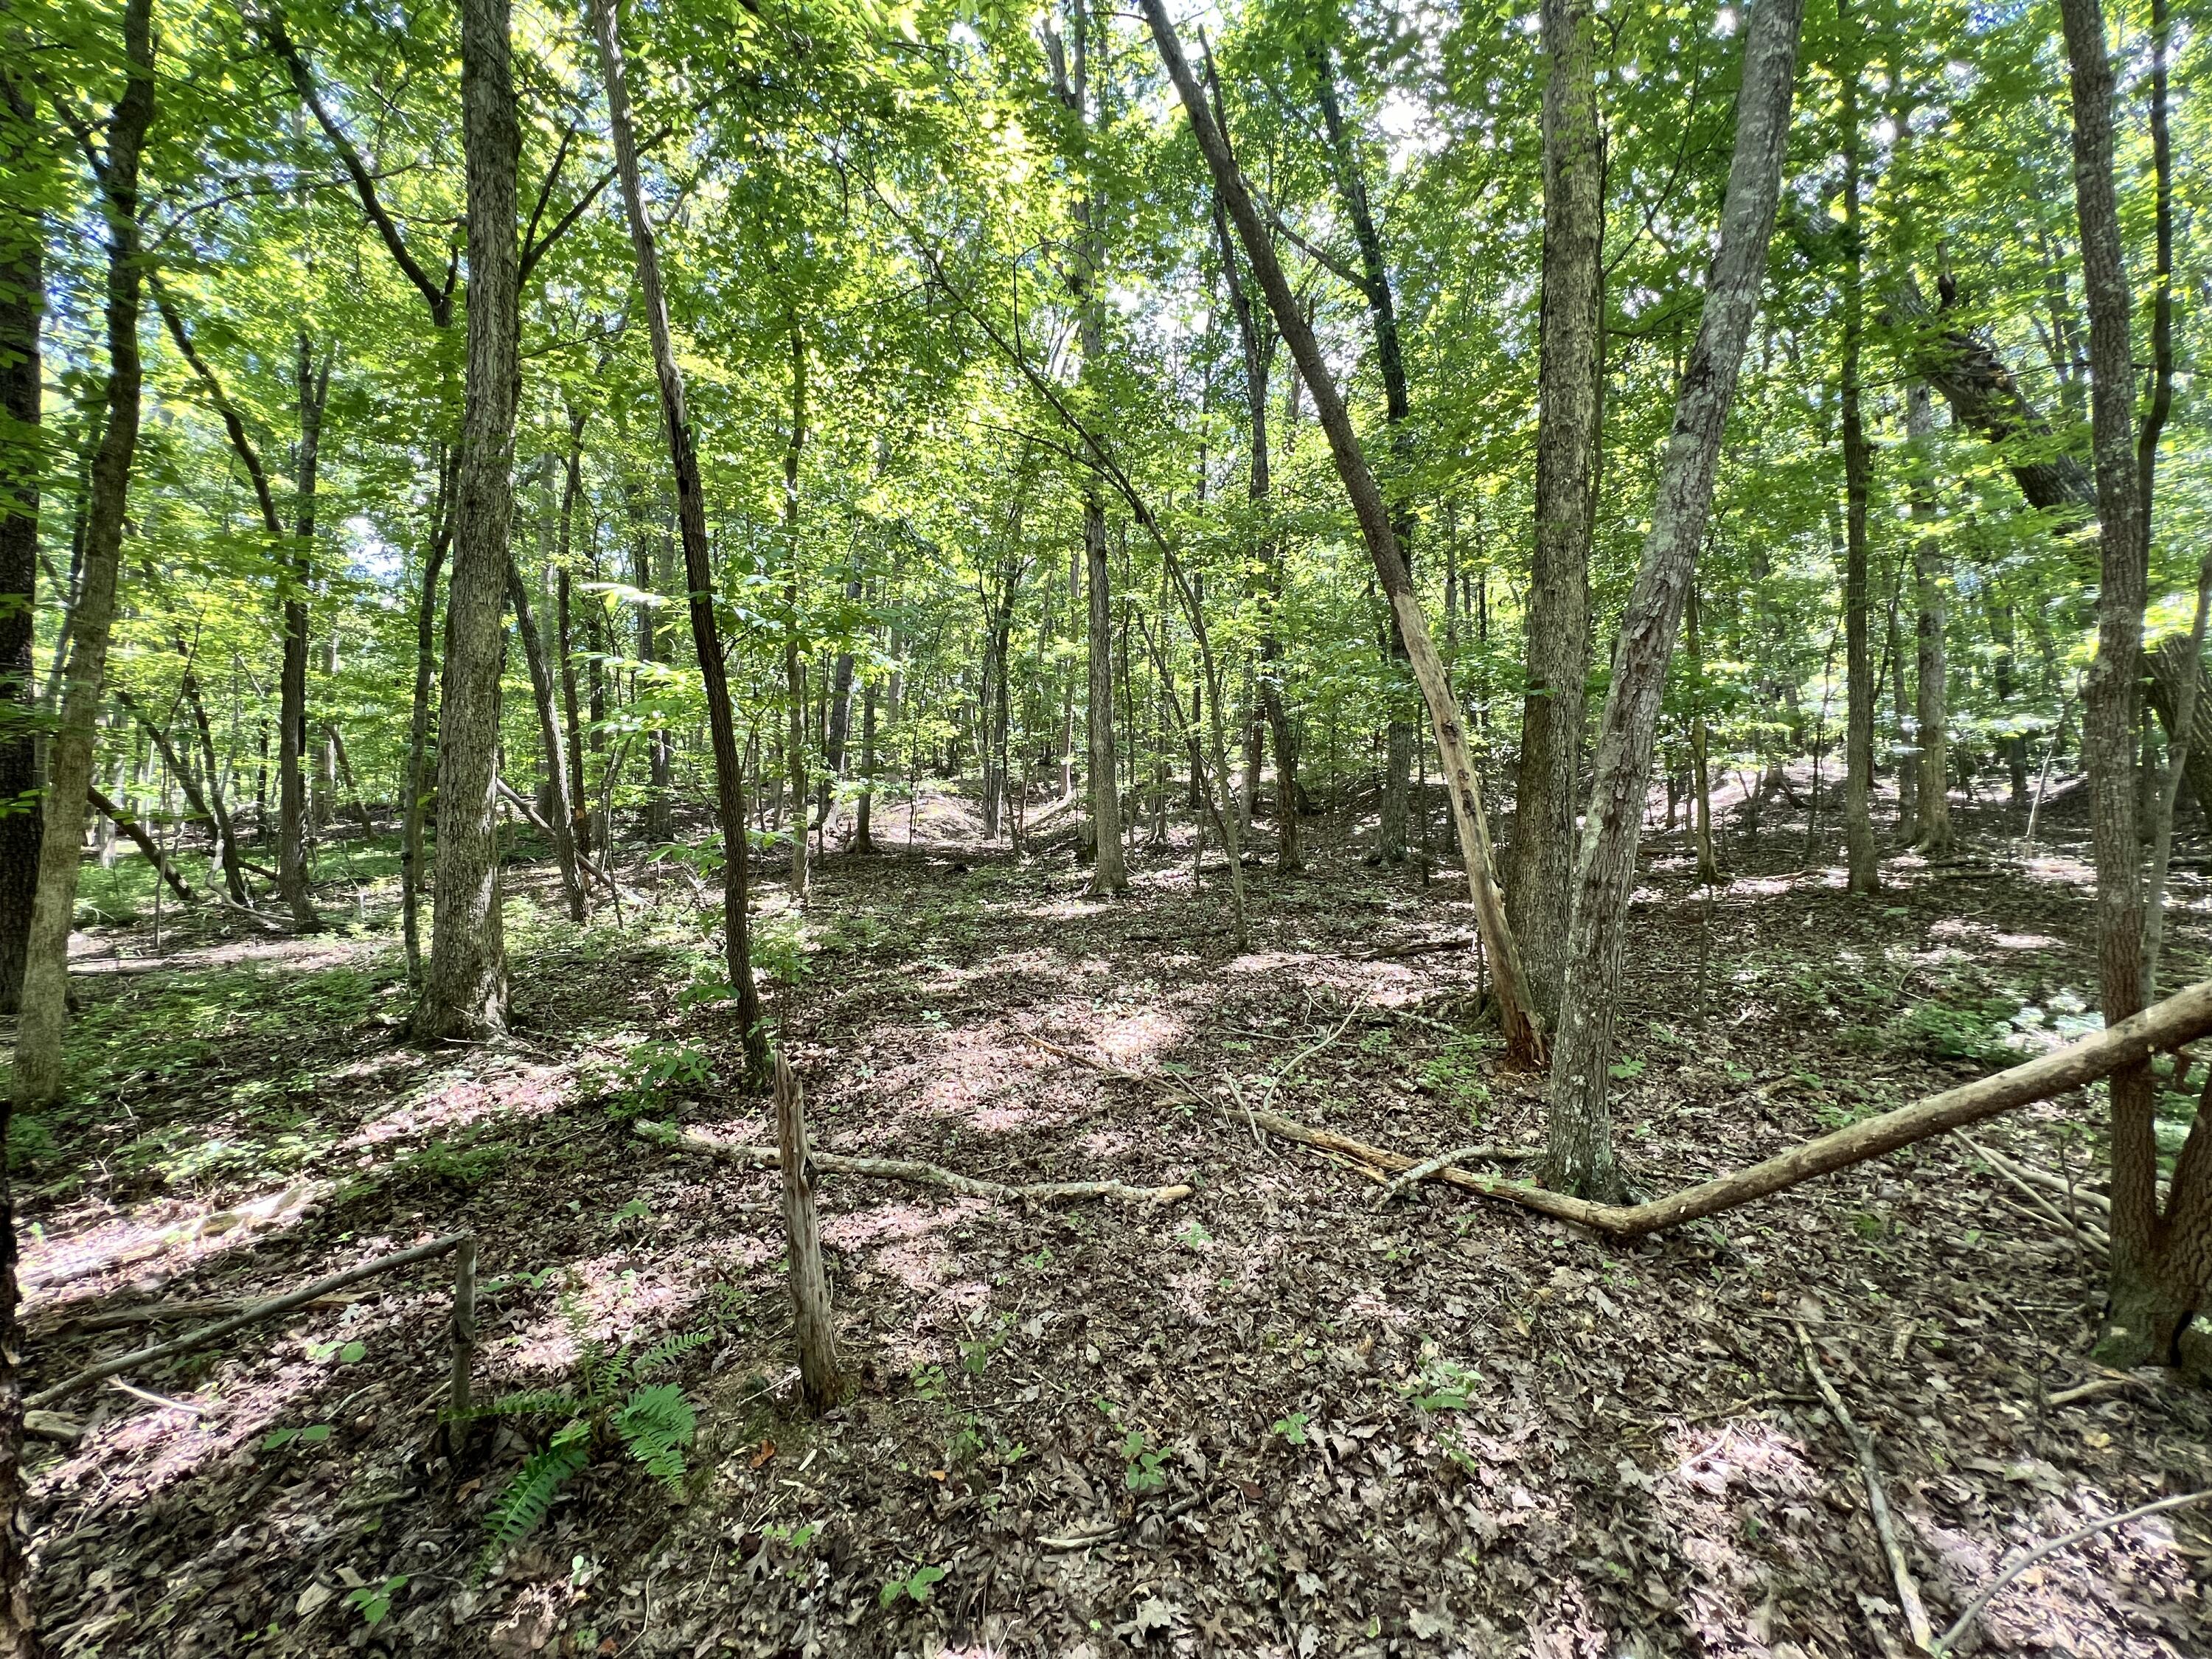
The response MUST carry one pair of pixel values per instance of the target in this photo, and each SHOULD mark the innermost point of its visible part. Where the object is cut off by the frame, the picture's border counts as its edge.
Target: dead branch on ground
(900, 1169)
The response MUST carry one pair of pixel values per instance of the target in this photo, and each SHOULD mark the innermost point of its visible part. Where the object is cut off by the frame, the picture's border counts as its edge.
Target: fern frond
(655, 1426)
(534, 1402)
(667, 1351)
(530, 1495)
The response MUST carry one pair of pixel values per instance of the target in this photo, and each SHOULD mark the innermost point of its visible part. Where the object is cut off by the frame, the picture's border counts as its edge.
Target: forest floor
(1268, 1420)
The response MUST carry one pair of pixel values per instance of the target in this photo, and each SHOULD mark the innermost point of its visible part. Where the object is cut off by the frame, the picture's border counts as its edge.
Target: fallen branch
(129, 824)
(2087, 1233)
(1908, 1593)
(251, 1316)
(2049, 1183)
(899, 1169)
(1950, 1638)
(1417, 947)
(1424, 1171)
(2182, 1017)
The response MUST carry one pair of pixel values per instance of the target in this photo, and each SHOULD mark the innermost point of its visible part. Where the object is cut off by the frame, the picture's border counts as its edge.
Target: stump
(810, 1285)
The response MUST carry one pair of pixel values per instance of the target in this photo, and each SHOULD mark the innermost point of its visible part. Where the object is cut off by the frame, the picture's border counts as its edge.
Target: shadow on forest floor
(1269, 1419)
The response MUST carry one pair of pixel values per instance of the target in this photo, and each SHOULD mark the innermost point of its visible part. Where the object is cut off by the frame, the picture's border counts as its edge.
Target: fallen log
(899, 1169)
(2182, 1017)
(259, 1311)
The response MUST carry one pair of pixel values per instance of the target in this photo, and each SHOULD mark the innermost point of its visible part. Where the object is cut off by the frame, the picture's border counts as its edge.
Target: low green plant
(1144, 1472)
(653, 1069)
(465, 1161)
(610, 1401)
(1292, 1428)
(312, 1434)
(373, 1602)
(915, 1585)
(1459, 1075)
(1445, 1385)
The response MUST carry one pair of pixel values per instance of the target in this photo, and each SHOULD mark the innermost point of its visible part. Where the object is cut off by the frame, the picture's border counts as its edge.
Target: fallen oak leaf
(767, 1450)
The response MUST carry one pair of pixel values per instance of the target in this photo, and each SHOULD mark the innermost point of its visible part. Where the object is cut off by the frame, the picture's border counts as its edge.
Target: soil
(1271, 1418)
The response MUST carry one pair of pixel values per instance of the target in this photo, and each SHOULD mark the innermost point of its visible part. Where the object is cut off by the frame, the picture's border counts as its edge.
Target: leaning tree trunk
(1569, 381)
(1580, 1158)
(794, 665)
(1523, 1038)
(698, 573)
(464, 989)
(418, 722)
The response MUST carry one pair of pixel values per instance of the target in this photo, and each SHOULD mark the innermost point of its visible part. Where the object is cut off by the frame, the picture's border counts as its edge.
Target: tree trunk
(314, 384)
(1390, 365)
(1523, 1038)
(2161, 1262)
(699, 578)
(418, 726)
(1863, 873)
(1907, 757)
(572, 484)
(840, 721)
(464, 989)
(794, 667)
(1109, 874)
(69, 770)
(815, 1334)
(1709, 869)
(22, 306)
(1930, 714)
(1580, 1159)
(560, 820)
(1571, 367)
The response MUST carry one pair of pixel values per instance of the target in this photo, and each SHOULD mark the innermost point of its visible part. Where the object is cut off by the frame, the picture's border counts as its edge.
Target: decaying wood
(819, 1378)
(2012, 1175)
(926, 1174)
(2182, 1017)
(1959, 1626)
(461, 1338)
(1908, 1593)
(251, 1316)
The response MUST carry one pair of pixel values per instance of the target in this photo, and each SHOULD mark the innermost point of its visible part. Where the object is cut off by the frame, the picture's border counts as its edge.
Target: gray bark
(1570, 366)
(1580, 1156)
(464, 987)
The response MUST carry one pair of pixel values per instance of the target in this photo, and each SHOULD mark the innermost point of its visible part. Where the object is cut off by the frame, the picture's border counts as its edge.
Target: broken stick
(1908, 1593)
(251, 1316)
(899, 1169)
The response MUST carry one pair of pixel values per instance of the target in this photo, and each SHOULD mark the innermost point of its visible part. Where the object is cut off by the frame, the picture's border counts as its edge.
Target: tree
(1580, 1156)
(1570, 378)
(464, 988)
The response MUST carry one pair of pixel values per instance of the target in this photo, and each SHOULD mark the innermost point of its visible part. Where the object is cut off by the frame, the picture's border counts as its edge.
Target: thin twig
(1944, 1643)
(1477, 1153)
(1908, 1593)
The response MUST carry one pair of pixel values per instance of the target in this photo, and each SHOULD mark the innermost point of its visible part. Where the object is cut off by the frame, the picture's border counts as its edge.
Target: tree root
(899, 1169)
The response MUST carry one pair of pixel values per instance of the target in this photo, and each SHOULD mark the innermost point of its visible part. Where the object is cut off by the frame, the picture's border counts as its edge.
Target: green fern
(656, 1425)
(529, 1497)
(668, 1352)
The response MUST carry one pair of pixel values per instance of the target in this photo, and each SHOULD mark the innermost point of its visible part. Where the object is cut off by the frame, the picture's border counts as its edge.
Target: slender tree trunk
(1908, 759)
(1571, 369)
(1580, 1159)
(22, 307)
(217, 808)
(560, 820)
(1523, 1038)
(1863, 860)
(1709, 869)
(1109, 872)
(314, 384)
(1390, 365)
(699, 578)
(1931, 694)
(795, 665)
(835, 738)
(2161, 1262)
(464, 989)
(572, 484)
(44, 1011)
(419, 772)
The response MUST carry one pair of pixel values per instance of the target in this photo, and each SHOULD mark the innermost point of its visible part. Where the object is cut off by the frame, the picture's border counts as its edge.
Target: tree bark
(794, 666)
(2159, 1262)
(1569, 381)
(1397, 406)
(820, 1379)
(464, 990)
(572, 484)
(1580, 1156)
(561, 819)
(418, 724)
(698, 573)
(1931, 695)
(314, 386)
(22, 306)
(43, 1013)
(1523, 1038)
(1862, 861)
